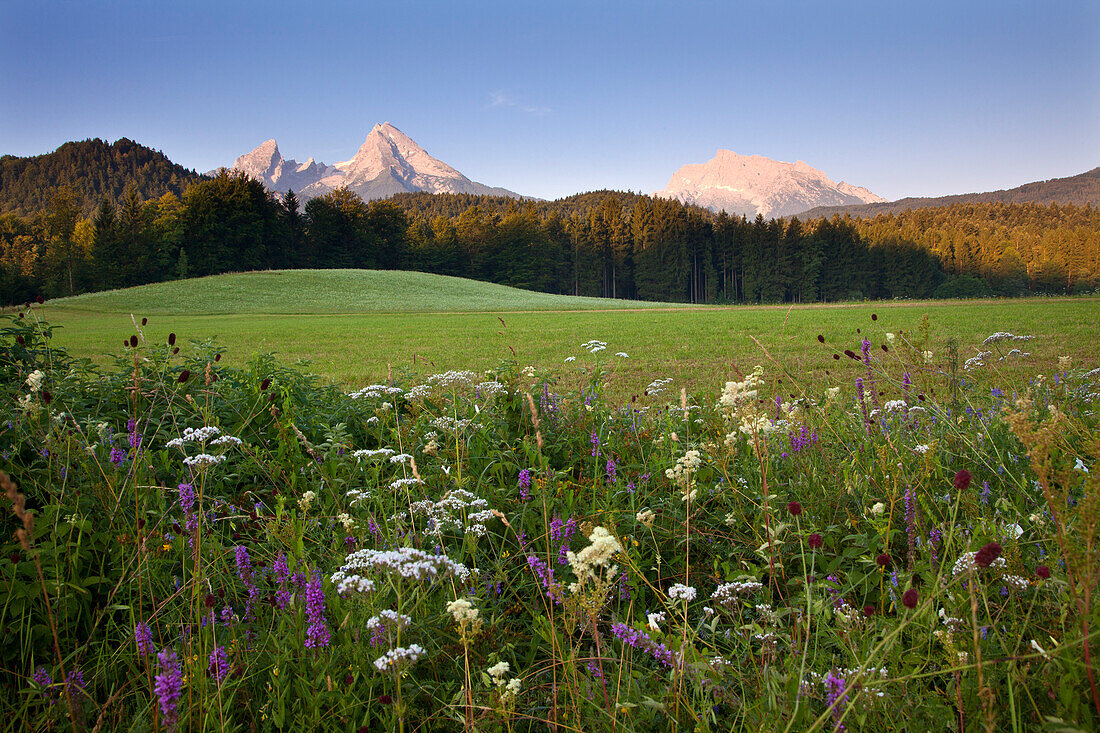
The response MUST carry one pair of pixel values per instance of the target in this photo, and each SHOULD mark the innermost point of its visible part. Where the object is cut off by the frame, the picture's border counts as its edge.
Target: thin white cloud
(499, 98)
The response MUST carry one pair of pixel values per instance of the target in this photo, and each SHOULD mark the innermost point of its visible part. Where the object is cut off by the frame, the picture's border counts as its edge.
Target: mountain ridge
(388, 162)
(753, 184)
(1081, 189)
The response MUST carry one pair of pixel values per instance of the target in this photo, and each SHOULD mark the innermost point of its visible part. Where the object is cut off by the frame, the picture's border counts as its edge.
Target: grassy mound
(332, 291)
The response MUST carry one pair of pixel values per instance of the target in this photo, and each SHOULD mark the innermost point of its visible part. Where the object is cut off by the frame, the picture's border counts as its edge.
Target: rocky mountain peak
(753, 184)
(387, 162)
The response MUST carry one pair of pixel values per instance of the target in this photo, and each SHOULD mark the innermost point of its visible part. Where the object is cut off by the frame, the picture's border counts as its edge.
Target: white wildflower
(646, 517)
(306, 500)
(34, 380)
(878, 508)
(682, 592)
(203, 459)
(463, 611)
(399, 658)
(598, 554)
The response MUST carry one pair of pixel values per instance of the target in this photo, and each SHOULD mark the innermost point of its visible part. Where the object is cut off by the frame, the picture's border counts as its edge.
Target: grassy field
(258, 552)
(332, 291)
(440, 323)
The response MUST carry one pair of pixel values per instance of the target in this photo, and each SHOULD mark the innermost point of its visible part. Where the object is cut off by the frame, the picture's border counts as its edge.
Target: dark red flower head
(265, 384)
(1043, 572)
(19, 340)
(171, 339)
(962, 480)
(868, 611)
(815, 541)
(874, 316)
(987, 555)
(184, 376)
(883, 560)
(217, 357)
(794, 508)
(145, 321)
(133, 341)
(821, 338)
(175, 351)
(851, 354)
(40, 300)
(910, 597)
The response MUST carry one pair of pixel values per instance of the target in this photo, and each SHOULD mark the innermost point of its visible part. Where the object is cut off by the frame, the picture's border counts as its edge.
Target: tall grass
(511, 550)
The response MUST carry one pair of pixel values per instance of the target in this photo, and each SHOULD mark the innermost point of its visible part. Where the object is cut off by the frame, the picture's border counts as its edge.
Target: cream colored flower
(34, 381)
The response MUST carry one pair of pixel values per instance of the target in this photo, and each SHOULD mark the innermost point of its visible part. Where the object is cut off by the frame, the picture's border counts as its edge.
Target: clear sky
(552, 98)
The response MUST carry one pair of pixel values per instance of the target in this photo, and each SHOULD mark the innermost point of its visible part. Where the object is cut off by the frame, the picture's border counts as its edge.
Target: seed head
(962, 480)
(815, 541)
(171, 339)
(133, 342)
(910, 597)
(1043, 572)
(794, 508)
(987, 555)
(883, 560)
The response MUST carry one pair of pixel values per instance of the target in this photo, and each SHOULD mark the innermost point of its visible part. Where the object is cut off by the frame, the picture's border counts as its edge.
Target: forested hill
(1078, 190)
(93, 170)
(423, 207)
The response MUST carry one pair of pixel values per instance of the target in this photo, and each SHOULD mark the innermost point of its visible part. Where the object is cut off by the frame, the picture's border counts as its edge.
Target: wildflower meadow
(908, 541)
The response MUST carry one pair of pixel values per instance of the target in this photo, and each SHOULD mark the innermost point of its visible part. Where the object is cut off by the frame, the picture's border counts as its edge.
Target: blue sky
(549, 99)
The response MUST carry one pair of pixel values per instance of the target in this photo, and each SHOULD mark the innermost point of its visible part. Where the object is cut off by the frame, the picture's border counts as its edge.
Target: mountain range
(753, 184)
(388, 162)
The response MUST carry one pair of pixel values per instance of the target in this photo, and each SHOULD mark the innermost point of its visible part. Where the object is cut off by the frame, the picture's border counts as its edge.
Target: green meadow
(205, 543)
(356, 326)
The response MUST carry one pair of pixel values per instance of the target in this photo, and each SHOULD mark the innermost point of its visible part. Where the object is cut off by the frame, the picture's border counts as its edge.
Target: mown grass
(690, 345)
(331, 291)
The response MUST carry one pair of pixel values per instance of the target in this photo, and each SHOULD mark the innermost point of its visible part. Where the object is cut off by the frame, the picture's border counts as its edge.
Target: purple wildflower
(984, 496)
(317, 635)
(863, 404)
(143, 635)
(836, 696)
(42, 679)
(280, 569)
(611, 470)
(642, 641)
(244, 564)
(168, 685)
(76, 679)
(525, 484)
(911, 523)
(118, 456)
(219, 664)
(134, 435)
(595, 440)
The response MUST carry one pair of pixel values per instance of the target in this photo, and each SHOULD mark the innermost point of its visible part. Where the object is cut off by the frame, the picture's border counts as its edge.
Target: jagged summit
(753, 184)
(387, 162)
